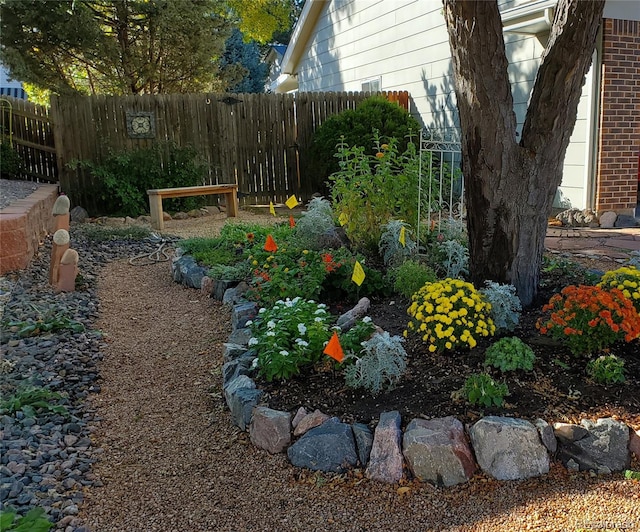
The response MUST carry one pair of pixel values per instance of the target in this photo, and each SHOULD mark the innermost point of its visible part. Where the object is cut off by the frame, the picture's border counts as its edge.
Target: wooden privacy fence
(27, 127)
(257, 141)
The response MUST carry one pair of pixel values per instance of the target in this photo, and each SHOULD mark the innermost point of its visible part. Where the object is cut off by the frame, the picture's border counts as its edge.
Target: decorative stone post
(60, 245)
(68, 271)
(61, 213)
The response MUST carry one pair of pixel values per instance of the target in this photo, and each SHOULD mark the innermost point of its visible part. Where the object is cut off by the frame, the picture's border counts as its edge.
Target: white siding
(405, 44)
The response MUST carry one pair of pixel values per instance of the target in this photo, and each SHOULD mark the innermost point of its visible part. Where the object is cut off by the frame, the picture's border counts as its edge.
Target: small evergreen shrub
(410, 276)
(510, 354)
(381, 365)
(606, 369)
(396, 242)
(10, 162)
(35, 520)
(481, 389)
(355, 127)
(505, 305)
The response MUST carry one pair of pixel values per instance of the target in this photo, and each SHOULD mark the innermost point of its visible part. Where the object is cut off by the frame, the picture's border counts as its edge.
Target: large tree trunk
(510, 185)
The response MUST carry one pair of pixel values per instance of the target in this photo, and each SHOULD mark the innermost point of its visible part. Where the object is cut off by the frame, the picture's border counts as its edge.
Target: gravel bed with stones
(12, 189)
(47, 458)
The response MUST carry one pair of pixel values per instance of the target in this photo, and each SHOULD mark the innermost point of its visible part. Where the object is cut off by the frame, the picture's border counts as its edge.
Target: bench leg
(232, 204)
(155, 208)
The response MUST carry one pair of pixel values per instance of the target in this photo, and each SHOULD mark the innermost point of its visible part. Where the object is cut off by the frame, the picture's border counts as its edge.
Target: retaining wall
(23, 224)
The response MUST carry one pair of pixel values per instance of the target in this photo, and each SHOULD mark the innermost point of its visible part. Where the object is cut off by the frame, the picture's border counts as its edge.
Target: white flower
(322, 305)
(366, 319)
(249, 322)
(302, 328)
(255, 363)
(301, 342)
(284, 353)
(317, 320)
(296, 299)
(252, 341)
(271, 333)
(262, 310)
(311, 301)
(271, 324)
(320, 311)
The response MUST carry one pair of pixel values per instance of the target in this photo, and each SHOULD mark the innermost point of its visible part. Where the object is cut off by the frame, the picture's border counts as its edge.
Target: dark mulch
(551, 392)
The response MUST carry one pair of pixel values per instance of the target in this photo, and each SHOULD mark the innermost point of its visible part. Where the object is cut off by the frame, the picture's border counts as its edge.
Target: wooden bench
(156, 196)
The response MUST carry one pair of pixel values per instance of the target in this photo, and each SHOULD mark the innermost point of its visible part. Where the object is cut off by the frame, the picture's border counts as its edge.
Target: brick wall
(23, 224)
(617, 185)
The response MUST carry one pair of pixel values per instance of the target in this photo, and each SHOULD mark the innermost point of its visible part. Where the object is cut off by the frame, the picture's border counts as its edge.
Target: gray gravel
(46, 458)
(11, 190)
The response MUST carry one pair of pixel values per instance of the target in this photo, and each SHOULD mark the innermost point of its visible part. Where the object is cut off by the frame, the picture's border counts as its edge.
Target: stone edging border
(440, 451)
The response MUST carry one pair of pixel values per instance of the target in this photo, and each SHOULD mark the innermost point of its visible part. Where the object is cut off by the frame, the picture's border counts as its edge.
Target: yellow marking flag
(402, 237)
(272, 209)
(358, 274)
(343, 219)
(291, 202)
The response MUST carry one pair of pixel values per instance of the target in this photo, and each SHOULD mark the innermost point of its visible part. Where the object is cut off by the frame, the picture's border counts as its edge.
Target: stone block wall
(23, 224)
(619, 153)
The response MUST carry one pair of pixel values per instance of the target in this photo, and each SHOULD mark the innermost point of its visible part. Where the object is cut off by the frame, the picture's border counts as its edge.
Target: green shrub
(10, 162)
(212, 251)
(481, 389)
(410, 276)
(355, 127)
(382, 363)
(606, 369)
(510, 354)
(370, 190)
(505, 305)
(124, 178)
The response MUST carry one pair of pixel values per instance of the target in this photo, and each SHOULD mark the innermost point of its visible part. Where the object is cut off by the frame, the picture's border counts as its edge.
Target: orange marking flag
(292, 222)
(334, 349)
(270, 245)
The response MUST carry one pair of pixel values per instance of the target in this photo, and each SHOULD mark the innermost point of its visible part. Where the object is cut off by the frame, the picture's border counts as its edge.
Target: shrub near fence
(27, 129)
(258, 141)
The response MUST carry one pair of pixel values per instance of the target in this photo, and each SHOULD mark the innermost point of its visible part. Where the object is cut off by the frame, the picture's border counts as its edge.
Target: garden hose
(160, 254)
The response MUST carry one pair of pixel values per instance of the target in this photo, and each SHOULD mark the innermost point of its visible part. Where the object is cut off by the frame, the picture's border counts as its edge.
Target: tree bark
(510, 185)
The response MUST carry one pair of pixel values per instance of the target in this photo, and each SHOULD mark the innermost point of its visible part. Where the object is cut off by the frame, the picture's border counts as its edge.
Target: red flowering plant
(590, 318)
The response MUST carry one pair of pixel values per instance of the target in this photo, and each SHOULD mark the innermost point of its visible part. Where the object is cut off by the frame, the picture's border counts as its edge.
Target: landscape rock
(315, 419)
(78, 214)
(235, 295)
(242, 313)
(634, 442)
(349, 318)
(329, 447)
(569, 432)
(547, 435)
(242, 397)
(364, 442)
(186, 271)
(241, 365)
(508, 448)
(605, 448)
(232, 351)
(625, 220)
(240, 336)
(220, 286)
(386, 461)
(436, 450)
(270, 429)
(300, 413)
(607, 219)
(206, 286)
(180, 216)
